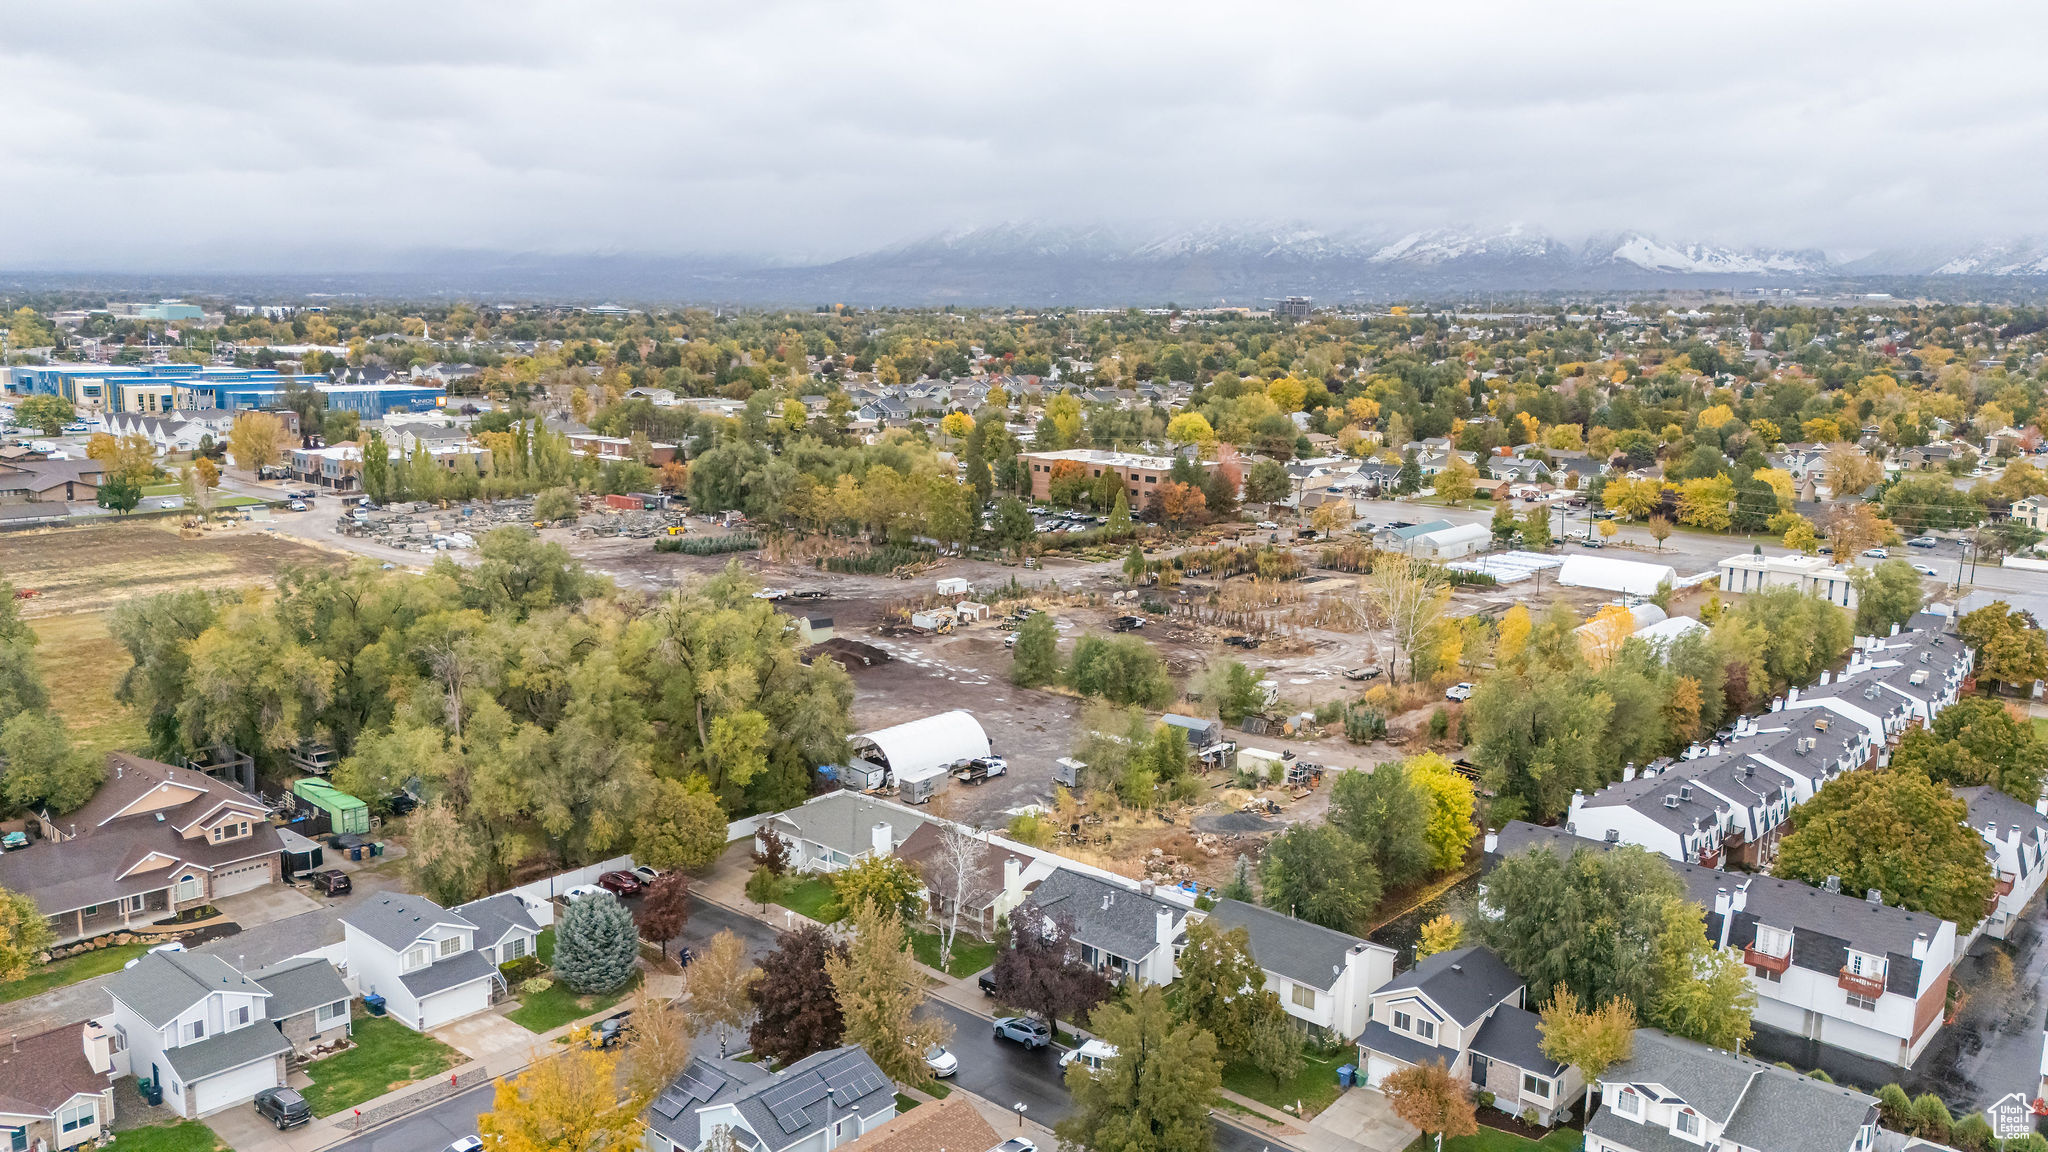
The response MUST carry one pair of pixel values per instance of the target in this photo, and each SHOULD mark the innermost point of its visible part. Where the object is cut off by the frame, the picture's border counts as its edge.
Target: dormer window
(418, 957)
(223, 833)
(1629, 1103)
(451, 945)
(1687, 1123)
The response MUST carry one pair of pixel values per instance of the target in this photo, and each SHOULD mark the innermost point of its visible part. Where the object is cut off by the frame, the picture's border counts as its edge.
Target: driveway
(1361, 1118)
(484, 1035)
(264, 905)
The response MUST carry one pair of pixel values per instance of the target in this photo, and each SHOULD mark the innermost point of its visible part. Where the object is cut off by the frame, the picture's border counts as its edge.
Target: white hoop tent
(917, 755)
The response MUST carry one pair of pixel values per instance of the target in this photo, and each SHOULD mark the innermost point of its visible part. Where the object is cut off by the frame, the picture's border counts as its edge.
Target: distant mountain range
(1036, 265)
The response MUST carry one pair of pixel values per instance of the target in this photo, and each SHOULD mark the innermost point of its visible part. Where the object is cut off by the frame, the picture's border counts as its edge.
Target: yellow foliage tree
(1705, 502)
(255, 440)
(1712, 418)
(1634, 499)
(1191, 428)
(1514, 631)
(568, 1101)
(1440, 934)
(1287, 393)
(1781, 483)
(957, 425)
(1601, 637)
(1447, 799)
(1363, 409)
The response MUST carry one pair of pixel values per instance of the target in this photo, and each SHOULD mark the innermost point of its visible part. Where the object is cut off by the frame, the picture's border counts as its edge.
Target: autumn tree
(666, 908)
(956, 879)
(1220, 986)
(1039, 971)
(720, 981)
(661, 1041)
(1440, 933)
(1978, 741)
(567, 1100)
(1894, 832)
(887, 882)
(1427, 1096)
(256, 440)
(1408, 598)
(1154, 1095)
(24, 936)
(1177, 505)
(444, 859)
(2011, 648)
(880, 988)
(1591, 1039)
(1887, 593)
(796, 1008)
(1660, 530)
(681, 825)
(1850, 471)
(1456, 483)
(1448, 801)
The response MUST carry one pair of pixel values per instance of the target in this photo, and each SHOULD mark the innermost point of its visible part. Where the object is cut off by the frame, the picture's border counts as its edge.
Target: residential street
(428, 1130)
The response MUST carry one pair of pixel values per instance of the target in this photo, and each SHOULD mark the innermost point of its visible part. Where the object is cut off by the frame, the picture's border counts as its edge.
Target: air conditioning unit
(1671, 801)
(1919, 676)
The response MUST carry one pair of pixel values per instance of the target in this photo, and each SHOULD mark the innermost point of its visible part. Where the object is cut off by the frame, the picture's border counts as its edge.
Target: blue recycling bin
(374, 1005)
(1346, 1075)
(356, 853)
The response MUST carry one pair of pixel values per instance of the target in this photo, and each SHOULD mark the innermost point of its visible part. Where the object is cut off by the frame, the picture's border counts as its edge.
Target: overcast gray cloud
(249, 135)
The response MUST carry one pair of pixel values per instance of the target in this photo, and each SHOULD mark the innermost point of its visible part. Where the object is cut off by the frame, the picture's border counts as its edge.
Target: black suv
(283, 1107)
(333, 882)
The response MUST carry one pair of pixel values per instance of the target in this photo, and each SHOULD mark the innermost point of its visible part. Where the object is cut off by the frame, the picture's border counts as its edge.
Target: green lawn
(386, 1055)
(174, 488)
(969, 954)
(71, 970)
(545, 1011)
(544, 946)
(807, 897)
(184, 1136)
(1315, 1086)
(1494, 1140)
(904, 1103)
(2041, 727)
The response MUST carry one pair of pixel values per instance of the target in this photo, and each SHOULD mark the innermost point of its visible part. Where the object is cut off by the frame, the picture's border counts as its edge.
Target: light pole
(1020, 1115)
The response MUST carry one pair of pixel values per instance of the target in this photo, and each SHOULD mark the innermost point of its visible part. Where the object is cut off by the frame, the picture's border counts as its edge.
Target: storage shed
(954, 586)
(1608, 575)
(345, 812)
(921, 747)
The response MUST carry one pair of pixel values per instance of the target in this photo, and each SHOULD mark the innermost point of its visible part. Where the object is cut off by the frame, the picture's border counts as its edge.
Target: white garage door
(1378, 1068)
(241, 878)
(235, 1086)
(455, 1003)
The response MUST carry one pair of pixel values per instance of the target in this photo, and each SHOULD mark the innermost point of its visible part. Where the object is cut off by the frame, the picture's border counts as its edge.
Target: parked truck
(980, 769)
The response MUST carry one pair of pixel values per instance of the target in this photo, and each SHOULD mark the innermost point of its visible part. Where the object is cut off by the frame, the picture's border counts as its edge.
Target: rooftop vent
(1670, 801)
(1833, 884)
(1875, 897)
(1614, 835)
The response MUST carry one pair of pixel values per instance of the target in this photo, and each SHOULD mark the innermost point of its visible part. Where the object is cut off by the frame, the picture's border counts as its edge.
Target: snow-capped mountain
(1705, 260)
(1450, 247)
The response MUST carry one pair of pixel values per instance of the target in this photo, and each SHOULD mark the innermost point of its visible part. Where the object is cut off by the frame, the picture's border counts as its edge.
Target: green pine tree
(1037, 654)
(595, 945)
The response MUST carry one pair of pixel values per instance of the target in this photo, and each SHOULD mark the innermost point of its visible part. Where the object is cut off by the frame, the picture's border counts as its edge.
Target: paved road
(428, 1130)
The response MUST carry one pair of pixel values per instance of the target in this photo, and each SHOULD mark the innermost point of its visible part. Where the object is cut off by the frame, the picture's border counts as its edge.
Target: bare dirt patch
(90, 570)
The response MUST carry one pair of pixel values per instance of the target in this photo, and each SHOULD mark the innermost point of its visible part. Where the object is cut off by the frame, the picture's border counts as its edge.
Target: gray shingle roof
(704, 1080)
(1377, 1037)
(1764, 1107)
(845, 821)
(455, 971)
(246, 1045)
(1989, 805)
(1636, 1136)
(1102, 915)
(798, 1101)
(1303, 952)
(164, 984)
(497, 916)
(300, 985)
(396, 919)
(1464, 982)
(1510, 1036)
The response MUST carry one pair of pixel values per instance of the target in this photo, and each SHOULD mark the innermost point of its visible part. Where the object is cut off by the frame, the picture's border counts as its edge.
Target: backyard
(1314, 1087)
(386, 1055)
(71, 970)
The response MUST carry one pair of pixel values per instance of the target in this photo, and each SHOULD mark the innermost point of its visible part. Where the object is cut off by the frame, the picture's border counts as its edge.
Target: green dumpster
(345, 812)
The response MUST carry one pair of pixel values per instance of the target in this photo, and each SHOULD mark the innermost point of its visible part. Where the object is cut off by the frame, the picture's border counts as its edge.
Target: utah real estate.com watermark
(2011, 1118)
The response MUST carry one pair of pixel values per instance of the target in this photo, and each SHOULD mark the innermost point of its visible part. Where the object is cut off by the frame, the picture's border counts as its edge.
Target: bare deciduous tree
(954, 876)
(1409, 599)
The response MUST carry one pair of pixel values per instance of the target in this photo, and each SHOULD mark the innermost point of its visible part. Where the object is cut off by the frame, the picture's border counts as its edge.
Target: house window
(91, 910)
(1688, 1123)
(241, 1015)
(1425, 1029)
(195, 1030)
(1304, 996)
(1773, 941)
(133, 903)
(451, 945)
(78, 1116)
(1536, 1086)
(1629, 1103)
(1768, 974)
(188, 888)
(1403, 1022)
(514, 948)
(418, 957)
(13, 1140)
(1863, 1002)
(332, 1013)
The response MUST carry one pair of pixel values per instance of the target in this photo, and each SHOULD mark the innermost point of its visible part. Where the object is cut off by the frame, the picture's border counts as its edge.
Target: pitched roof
(804, 1097)
(496, 917)
(396, 919)
(1102, 915)
(704, 1080)
(925, 848)
(300, 985)
(1464, 982)
(1510, 1036)
(1988, 805)
(162, 985)
(453, 972)
(38, 1074)
(228, 1050)
(1302, 952)
(1763, 1107)
(949, 1125)
(845, 820)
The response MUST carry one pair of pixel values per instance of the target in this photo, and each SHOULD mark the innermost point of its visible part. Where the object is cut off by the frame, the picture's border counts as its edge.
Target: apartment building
(1142, 474)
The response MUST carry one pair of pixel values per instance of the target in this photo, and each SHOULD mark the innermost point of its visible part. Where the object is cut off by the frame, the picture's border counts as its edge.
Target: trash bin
(374, 1005)
(377, 848)
(152, 1092)
(1346, 1075)
(356, 853)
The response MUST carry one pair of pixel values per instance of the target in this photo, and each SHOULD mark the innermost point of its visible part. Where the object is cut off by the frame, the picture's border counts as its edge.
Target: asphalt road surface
(428, 1130)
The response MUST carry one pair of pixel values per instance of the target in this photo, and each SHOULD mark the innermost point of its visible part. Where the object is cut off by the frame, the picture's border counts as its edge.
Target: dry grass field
(80, 574)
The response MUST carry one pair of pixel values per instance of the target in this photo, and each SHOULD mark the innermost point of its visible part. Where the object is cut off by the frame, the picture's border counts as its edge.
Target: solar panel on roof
(696, 1084)
(669, 1105)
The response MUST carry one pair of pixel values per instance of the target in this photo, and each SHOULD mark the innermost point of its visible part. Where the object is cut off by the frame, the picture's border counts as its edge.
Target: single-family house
(1123, 931)
(1672, 1095)
(1323, 977)
(824, 1101)
(2032, 511)
(506, 928)
(949, 1125)
(52, 1094)
(830, 832)
(997, 878)
(198, 1028)
(308, 1003)
(420, 957)
(153, 841)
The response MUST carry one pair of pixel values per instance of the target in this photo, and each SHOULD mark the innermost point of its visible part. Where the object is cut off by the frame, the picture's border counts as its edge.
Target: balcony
(1765, 960)
(1710, 857)
(1861, 984)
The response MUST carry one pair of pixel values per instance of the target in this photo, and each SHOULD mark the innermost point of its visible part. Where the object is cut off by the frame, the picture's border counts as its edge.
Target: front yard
(71, 970)
(545, 1011)
(184, 1136)
(1315, 1086)
(969, 954)
(807, 897)
(386, 1055)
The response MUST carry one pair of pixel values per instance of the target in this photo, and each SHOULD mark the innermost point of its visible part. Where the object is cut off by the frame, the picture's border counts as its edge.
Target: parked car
(612, 1030)
(1017, 1144)
(1126, 623)
(333, 882)
(283, 1107)
(466, 1144)
(1266, 525)
(1591, 542)
(1459, 692)
(1922, 542)
(1876, 553)
(987, 980)
(1925, 569)
(1010, 641)
(1367, 673)
(13, 840)
(1092, 1055)
(1029, 1031)
(297, 505)
(582, 890)
(1245, 642)
(401, 802)
(620, 883)
(940, 1062)
(647, 874)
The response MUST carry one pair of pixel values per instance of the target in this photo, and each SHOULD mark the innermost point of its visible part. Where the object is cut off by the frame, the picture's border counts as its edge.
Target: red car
(620, 883)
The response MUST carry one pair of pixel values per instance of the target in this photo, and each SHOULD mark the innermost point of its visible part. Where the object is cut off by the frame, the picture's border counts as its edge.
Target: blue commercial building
(152, 388)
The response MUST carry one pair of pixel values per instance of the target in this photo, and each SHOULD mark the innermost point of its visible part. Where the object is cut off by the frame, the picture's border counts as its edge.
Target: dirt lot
(93, 569)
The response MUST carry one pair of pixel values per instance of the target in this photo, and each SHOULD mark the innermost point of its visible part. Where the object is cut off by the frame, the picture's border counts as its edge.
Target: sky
(259, 136)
